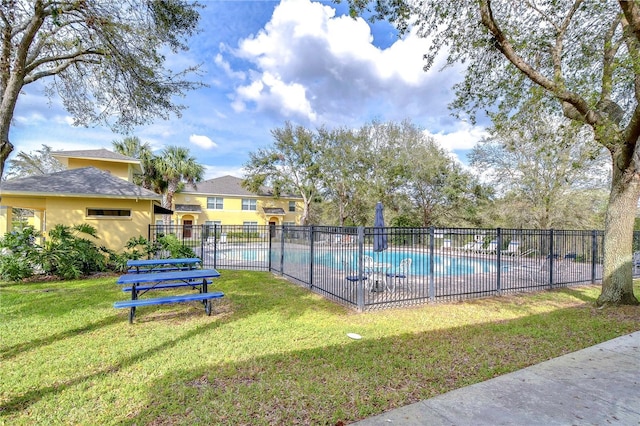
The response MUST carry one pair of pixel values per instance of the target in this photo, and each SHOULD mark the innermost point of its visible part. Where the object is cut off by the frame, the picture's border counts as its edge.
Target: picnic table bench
(140, 283)
(162, 265)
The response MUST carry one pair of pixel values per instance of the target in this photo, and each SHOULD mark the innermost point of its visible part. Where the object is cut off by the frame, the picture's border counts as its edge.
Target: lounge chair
(472, 246)
(401, 273)
(513, 249)
(353, 273)
(492, 248)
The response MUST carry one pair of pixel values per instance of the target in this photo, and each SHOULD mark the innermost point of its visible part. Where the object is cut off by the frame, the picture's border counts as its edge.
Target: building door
(186, 228)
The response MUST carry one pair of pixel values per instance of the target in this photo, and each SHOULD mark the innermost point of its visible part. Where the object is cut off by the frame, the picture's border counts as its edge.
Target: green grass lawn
(271, 353)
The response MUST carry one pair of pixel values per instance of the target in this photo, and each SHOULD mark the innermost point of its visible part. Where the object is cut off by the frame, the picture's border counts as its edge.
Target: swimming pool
(443, 265)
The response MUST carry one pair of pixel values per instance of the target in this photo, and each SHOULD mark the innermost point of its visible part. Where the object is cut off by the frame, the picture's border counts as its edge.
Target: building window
(249, 204)
(124, 213)
(248, 227)
(288, 224)
(159, 222)
(292, 206)
(215, 203)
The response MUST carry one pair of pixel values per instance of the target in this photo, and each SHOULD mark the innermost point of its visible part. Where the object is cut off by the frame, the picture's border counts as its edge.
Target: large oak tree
(105, 59)
(289, 166)
(584, 53)
(549, 172)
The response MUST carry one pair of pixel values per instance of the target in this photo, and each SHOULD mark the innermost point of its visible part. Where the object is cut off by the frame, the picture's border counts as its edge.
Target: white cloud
(29, 119)
(66, 119)
(202, 141)
(211, 172)
(219, 61)
(465, 137)
(309, 64)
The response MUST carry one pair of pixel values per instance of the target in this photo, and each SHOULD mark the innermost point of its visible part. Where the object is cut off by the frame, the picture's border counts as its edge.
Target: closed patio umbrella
(379, 238)
(379, 235)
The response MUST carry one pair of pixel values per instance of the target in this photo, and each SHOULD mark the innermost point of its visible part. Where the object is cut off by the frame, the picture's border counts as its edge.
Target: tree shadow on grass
(11, 351)
(358, 379)
(579, 293)
(247, 300)
(21, 402)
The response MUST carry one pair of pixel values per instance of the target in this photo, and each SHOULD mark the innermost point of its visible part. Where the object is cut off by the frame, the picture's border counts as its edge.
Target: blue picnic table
(140, 283)
(162, 265)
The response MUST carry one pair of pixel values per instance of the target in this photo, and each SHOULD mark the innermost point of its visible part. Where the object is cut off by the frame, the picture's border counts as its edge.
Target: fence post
(281, 246)
(594, 255)
(149, 240)
(215, 244)
(551, 258)
(360, 295)
(312, 235)
(432, 283)
(270, 245)
(498, 260)
(202, 230)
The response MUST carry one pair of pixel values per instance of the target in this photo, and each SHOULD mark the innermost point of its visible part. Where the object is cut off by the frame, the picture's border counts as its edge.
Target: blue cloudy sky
(268, 62)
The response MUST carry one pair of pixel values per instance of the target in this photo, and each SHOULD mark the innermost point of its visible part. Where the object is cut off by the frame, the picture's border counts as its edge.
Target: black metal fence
(418, 265)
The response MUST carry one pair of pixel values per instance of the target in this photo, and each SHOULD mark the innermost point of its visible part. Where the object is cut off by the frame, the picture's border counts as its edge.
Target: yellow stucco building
(223, 201)
(97, 188)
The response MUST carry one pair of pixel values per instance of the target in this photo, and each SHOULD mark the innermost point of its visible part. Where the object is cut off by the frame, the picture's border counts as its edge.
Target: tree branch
(572, 103)
(559, 46)
(631, 12)
(610, 49)
(632, 131)
(32, 27)
(58, 69)
(35, 51)
(69, 57)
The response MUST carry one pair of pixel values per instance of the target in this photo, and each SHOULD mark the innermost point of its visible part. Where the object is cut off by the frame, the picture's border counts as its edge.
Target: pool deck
(517, 275)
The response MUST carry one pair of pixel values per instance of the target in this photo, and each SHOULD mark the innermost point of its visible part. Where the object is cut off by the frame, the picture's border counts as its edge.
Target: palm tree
(132, 147)
(176, 167)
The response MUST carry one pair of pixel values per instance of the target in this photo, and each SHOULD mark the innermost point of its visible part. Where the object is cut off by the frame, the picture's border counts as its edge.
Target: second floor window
(249, 204)
(292, 206)
(214, 203)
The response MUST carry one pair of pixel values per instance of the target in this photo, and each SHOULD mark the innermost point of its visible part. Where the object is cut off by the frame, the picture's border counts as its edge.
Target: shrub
(19, 254)
(243, 235)
(69, 256)
(135, 248)
(175, 248)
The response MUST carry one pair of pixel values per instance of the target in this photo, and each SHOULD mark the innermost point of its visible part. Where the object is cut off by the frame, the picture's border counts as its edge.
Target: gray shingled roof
(87, 181)
(228, 185)
(97, 154)
(225, 185)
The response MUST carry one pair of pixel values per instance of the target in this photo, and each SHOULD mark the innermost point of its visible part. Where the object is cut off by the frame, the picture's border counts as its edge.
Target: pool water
(443, 265)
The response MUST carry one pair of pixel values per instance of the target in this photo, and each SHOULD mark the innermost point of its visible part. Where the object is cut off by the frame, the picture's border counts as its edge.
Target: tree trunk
(304, 218)
(167, 201)
(617, 279)
(5, 149)
(7, 106)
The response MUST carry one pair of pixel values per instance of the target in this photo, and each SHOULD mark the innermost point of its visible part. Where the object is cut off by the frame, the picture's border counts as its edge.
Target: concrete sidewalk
(599, 385)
